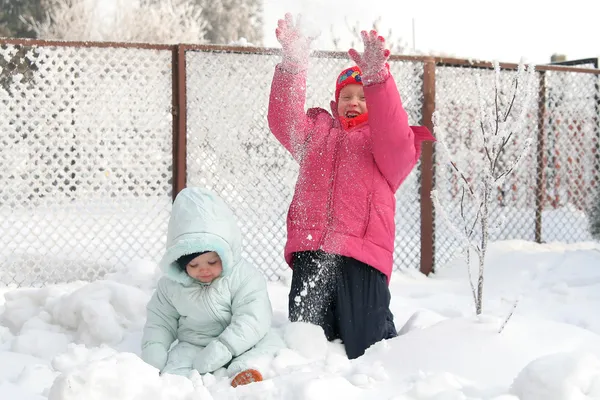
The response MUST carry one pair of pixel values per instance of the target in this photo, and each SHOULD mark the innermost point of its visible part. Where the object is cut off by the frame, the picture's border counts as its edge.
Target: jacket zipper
(368, 218)
(213, 312)
(331, 189)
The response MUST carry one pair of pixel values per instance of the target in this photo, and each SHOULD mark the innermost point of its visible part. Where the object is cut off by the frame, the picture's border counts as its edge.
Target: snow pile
(124, 376)
(45, 321)
(81, 340)
(560, 376)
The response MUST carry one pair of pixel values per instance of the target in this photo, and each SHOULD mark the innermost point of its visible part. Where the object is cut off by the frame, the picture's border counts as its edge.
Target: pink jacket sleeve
(286, 116)
(396, 145)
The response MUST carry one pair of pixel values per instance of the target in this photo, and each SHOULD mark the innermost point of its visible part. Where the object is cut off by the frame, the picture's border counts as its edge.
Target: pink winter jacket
(344, 202)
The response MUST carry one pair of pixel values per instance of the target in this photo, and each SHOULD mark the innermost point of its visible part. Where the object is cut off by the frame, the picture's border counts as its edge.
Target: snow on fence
(96, 138)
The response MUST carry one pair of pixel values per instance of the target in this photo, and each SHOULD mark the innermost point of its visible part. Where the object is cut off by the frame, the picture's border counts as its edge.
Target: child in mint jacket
(212, 301)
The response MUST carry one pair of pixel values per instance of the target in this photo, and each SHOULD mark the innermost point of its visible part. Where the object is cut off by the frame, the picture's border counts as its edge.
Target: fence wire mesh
(561, 167)
(232, 151)
(459, 115)
(570, 142)
(85, 160)
(86, 155)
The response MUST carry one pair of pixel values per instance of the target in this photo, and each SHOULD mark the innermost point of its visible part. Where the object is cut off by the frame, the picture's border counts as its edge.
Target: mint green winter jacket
(213, 323)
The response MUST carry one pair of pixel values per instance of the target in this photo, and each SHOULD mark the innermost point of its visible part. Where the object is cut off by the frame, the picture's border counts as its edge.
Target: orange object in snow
(245, 377)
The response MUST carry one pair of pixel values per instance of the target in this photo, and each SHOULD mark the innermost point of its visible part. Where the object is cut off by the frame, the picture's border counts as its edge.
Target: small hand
(373, 61)
(214, 356)
(295, 46)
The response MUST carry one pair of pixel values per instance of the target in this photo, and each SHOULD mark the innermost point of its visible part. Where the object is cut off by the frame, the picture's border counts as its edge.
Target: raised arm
(286, 116)
(396, 148)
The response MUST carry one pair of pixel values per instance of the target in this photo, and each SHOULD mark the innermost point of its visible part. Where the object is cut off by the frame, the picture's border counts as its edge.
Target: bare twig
(512, 102)
(468, 232)
(514, 166)
(462, 205)
(497, 107)
(497, 157)
(477, 215)
(510, 314)
(487, 151)
(463, 177)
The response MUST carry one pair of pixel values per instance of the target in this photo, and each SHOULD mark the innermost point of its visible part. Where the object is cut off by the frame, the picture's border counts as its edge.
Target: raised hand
(373, 62)
(295, 46)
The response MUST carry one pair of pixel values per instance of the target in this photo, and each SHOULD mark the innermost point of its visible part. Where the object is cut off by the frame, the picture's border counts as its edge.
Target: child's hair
(184, 260)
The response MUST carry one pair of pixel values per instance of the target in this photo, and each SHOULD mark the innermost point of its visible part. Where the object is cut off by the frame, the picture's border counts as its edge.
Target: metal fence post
(540, 192)
(596, 149)
(179, 119)
(427, 172)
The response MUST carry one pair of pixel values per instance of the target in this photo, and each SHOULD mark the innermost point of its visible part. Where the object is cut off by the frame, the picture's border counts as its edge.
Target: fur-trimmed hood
(201, 221)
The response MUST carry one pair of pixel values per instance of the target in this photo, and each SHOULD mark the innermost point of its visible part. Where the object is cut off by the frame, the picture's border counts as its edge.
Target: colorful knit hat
(347, 77)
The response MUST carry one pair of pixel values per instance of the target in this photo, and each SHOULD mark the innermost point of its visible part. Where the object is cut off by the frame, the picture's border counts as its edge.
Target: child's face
(352, 101)
(205, 268)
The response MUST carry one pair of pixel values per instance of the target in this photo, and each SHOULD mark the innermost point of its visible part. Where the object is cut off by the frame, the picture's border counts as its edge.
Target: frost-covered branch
(231, 20)
(487, 162)
(396, 44)
(463, 177)
(510, 314)
(470, 276)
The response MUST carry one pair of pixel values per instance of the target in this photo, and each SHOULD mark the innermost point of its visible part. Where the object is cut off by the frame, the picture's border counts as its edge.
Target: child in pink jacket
(340, 223)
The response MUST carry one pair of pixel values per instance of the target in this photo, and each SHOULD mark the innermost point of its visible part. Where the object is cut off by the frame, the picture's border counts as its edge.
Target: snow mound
(420, 320)
(560, 376)
(306, 339)
(125, 376)
(45, 321)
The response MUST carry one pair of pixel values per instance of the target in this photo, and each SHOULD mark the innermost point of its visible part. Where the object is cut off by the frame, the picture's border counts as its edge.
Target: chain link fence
(231, 150)
(458, 107)
(85, 160)
(549, 195)
(95, 139)
(570, 164)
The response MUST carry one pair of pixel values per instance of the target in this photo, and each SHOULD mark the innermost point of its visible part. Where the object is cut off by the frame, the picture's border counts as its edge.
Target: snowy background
(81, 340)
(459, 28)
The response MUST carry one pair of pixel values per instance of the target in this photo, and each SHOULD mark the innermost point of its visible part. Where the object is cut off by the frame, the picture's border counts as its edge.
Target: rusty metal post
(596, 149)
(179, 120)
(428, 172)
(540, 192)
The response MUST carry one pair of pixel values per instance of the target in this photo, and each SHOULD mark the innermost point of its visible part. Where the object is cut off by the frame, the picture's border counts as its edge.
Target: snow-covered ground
(81, 340)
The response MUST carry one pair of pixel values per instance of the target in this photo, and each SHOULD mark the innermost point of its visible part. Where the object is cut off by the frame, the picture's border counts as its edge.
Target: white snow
(81, 340)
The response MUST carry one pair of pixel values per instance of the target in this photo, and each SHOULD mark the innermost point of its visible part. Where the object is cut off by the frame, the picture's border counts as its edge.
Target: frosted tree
(395, 44)
(481, 165)
(594, 216)
(11, 23)
(232, 21)
(165, 21)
